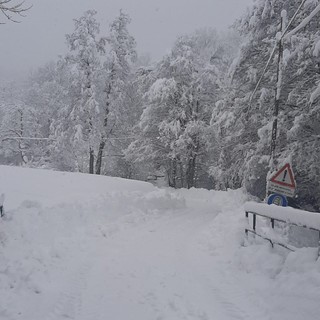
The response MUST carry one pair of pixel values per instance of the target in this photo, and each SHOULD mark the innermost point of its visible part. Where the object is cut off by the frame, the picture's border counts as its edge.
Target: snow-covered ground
(75, 246)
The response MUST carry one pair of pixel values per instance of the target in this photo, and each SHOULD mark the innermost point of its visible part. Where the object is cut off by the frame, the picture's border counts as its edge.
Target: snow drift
(85, 247)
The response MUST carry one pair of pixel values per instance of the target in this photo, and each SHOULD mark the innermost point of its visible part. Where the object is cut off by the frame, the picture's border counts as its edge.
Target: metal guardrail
(272, 221)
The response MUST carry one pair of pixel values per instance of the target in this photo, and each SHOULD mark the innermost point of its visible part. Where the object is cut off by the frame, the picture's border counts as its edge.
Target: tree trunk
(99, 157)
(181, 174)
(191, 172)
(91, 161)
(21, 144)
(172, 174)
(102, 145)
(104, 134)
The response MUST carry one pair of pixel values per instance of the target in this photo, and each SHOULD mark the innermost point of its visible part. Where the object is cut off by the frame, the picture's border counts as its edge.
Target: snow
(294, 130)
(76, 246)
(303, 23)
(284, 16)
(287, 214)
(2, 197)
(162, 89)
(315, 94)
(316, 51)
(286, 56)
(253, 21)
(264, 131)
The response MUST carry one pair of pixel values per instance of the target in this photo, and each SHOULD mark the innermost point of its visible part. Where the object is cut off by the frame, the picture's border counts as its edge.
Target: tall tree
(17, 126)
(175, 122)
(242, 123)
(118, 70)
(85, 50)
(52, 91)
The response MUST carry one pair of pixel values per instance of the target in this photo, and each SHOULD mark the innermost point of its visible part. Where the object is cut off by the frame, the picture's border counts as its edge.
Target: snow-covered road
(157, 267)
(155, 270)
(94, 248)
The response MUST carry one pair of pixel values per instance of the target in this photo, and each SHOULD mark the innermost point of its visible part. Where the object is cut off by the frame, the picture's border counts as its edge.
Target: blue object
(278, 199)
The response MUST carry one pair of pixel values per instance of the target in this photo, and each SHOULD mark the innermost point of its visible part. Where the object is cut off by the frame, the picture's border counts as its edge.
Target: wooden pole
(277, 100)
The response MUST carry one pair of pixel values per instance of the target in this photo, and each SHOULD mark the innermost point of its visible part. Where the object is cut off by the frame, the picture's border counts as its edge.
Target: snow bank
(84, 247)
(47, 236)
(288, 214)
(49, 187)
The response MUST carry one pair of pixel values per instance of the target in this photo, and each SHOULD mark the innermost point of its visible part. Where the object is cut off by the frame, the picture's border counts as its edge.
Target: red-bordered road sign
(283, 181)
(284, 177)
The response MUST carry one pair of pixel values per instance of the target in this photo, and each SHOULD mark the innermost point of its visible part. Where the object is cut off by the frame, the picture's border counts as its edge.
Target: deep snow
(75, 246)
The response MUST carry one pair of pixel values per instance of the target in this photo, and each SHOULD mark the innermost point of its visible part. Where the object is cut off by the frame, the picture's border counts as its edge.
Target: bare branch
(11, 10)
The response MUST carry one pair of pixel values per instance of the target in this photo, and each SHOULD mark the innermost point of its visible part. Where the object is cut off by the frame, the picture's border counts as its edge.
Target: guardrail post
(254, 221)
(319, 246)
(246, 230)
(272, 223)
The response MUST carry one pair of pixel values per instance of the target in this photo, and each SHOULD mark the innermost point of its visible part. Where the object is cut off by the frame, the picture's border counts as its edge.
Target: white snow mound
(77, 246)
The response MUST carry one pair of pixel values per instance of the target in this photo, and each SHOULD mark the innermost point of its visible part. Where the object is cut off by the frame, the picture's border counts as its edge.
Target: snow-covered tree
(174, 127)
(52, 92)
(85, 53)
(117, 79)
(17, 125)
(243, 120)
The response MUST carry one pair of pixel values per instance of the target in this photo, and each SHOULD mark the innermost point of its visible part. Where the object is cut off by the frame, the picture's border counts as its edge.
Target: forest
(203, 116)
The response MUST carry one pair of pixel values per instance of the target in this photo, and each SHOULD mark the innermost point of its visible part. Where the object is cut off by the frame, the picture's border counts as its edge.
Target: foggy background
(40, 37)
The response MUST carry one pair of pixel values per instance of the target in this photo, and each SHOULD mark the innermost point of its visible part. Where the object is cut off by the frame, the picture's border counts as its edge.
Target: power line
(273, 52)
(53, 139)
(27, 138)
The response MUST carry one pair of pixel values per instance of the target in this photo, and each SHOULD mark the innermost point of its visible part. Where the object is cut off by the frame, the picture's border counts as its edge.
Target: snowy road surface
(94, 248)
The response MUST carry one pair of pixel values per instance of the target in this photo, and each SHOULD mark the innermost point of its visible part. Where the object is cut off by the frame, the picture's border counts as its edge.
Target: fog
(40, 36)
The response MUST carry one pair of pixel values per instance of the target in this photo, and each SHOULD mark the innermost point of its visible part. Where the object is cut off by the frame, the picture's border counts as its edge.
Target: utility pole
(277, 92)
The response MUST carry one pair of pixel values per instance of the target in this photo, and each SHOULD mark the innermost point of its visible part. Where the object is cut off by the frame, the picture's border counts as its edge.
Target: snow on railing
(306, 219)
(287, 215)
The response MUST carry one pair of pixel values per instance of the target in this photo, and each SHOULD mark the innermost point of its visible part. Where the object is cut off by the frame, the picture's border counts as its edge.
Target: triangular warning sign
(284, 177)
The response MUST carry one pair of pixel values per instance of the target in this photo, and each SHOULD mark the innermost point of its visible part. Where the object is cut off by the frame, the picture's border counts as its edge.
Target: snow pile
(82, 247)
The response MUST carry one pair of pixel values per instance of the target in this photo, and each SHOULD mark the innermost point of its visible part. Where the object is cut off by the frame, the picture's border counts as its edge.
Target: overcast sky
(40, 37)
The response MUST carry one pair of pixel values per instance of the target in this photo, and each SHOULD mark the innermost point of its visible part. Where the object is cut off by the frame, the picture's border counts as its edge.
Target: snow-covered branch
(303, 23)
